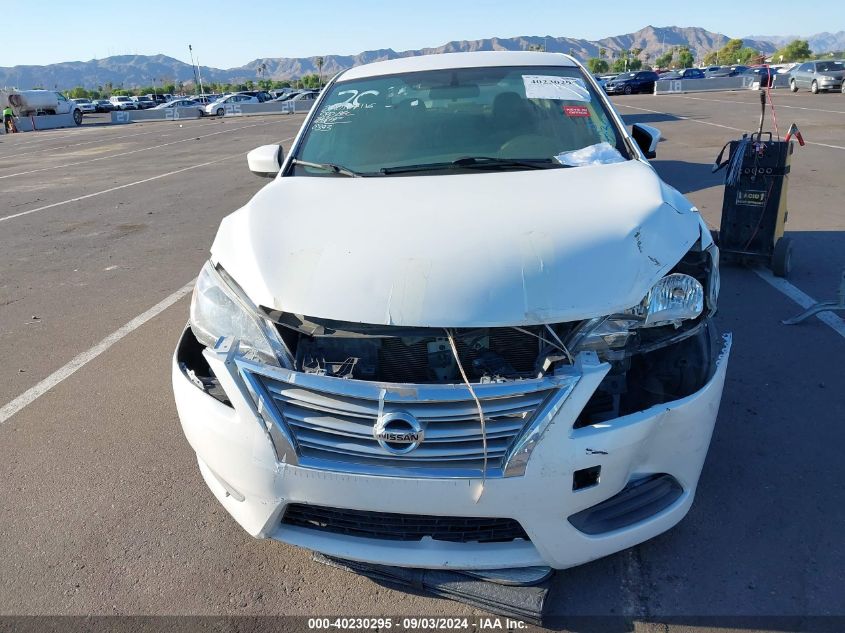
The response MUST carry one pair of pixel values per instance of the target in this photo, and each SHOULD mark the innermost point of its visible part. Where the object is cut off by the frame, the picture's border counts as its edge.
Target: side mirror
(265, 161)
(647, 138)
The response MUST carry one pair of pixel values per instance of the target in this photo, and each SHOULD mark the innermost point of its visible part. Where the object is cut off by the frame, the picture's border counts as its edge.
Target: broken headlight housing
(220, 309)
(675, 298)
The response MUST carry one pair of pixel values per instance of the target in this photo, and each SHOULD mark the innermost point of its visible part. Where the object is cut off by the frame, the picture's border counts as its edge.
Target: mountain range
(130, 71)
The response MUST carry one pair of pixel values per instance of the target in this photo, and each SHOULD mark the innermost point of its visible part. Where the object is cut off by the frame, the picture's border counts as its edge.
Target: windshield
(830, 67)
(374, 126)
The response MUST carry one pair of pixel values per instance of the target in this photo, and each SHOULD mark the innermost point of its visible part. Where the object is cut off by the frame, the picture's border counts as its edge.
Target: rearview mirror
(647, 138)
(265, 161)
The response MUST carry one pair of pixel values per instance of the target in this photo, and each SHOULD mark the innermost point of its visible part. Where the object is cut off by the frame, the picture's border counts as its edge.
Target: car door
(802, 76)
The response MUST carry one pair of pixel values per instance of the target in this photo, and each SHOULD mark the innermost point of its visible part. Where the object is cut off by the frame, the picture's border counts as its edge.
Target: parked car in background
(205, 98)
(686, 73)
(182, 103)
(103, 105)
(262, 95)
(157, 98)
(144, 102)
(355, 387)
(85, 105)
(717, 71)
(287, 96)
(306, 95)
(632, 82)
(121, 102)
(817, 76)
(227, 102)
(764, 74)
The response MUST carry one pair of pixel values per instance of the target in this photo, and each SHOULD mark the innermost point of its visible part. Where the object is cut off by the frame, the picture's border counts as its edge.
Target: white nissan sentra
(466, 325)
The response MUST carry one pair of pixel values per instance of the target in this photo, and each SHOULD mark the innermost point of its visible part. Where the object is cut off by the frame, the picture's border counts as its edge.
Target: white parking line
(757, 104)
(135, 151)
(802, 299)
(129, 184)
(106, 139)
(727, 127)
(119, 187)
(86, 357)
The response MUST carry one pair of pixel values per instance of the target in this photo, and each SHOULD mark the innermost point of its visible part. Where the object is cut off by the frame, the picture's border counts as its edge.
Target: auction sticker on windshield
(553, 87)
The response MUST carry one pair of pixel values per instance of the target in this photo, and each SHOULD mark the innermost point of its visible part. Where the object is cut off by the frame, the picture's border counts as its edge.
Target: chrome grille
(330, 421)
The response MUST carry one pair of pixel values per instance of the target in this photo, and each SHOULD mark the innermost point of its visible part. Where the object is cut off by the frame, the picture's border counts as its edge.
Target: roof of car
(443, 61)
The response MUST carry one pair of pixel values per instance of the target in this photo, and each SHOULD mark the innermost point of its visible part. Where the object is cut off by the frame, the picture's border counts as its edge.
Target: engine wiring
(454, 347)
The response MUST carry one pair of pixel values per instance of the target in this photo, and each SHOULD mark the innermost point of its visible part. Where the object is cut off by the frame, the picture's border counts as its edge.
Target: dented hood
(462, 250)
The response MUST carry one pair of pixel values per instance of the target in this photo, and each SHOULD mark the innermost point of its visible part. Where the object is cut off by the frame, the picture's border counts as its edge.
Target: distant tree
(729, 53)
(602, 52)
(711, 58)
(795, 51)
(597, 65)
(619, 65)
(665, 60)
(685, 57)
(78, 93)
(311, 81)
(281, 84)
(320, 62)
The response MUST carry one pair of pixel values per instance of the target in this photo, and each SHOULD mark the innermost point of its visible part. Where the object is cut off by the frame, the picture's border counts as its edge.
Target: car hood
(462, 250)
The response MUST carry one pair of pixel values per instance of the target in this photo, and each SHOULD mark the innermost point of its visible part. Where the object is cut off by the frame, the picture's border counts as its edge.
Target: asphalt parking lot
(103, 509)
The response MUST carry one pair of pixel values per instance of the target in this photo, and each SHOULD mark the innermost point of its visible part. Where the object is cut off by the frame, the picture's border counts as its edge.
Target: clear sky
(228, 34)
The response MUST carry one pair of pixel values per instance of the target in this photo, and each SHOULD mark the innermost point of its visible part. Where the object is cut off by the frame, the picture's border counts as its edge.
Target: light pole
(193, 65)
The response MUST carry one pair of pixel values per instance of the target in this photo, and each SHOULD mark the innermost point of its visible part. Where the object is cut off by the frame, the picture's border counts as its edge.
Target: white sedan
(182, 103)
(85, 105)
(534, 385)
(229, 104)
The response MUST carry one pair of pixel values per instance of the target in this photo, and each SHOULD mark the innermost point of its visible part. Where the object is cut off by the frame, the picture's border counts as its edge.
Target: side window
(61, 96)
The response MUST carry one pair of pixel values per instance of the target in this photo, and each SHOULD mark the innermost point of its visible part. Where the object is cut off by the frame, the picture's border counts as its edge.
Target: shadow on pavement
(687, 177)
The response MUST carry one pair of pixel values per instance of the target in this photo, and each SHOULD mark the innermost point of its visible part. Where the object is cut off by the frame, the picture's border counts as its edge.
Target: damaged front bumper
(556, 495)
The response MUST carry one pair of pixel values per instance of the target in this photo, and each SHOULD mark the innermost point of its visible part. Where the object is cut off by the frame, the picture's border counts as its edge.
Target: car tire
(782, 257)
(220, 112)
(77, 117)
(814, 87)
(628, 90)
(793, 86)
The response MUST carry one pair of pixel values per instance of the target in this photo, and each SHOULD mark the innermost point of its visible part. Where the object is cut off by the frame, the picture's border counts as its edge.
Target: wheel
(220, 112)
(814, 87)
(793, 86)
(782, 257)
(77, 117)
(628, 90)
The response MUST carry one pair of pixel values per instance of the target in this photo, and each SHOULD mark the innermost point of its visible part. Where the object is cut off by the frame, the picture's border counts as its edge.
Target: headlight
(673, 299)
(220, 309)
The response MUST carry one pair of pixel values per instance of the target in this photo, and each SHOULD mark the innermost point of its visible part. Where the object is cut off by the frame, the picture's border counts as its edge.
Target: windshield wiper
(337, 169)
(477, 162)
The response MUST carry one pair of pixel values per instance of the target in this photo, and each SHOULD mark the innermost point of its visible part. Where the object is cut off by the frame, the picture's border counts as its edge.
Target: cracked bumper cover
(240, 466)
